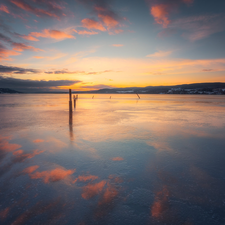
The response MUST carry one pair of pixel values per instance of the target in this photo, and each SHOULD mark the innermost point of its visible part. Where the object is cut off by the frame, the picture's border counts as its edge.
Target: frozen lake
(157, 160)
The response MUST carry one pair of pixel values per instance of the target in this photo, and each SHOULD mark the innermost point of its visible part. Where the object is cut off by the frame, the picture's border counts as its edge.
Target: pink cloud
(117, 159)
(37, 11)
(21, 47)
(38, 140)
(85, 32)
(5, 53)
(92, 24)
(30, 169)
(29, 38)
(109, 21)
(117, 45)
(55, 34)
(160, 14)
(4, 8)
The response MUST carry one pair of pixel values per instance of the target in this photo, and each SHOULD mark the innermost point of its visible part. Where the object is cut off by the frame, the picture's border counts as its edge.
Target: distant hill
(196, 88)
(7, 90)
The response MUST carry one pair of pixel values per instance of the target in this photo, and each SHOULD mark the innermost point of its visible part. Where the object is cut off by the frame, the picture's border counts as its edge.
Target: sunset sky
(92, 44)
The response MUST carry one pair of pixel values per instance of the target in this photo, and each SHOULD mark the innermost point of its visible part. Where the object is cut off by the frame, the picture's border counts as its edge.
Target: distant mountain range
(196, 88)
(7, 90)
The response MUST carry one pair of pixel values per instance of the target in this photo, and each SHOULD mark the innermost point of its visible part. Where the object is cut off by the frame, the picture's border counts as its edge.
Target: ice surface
(155, 160)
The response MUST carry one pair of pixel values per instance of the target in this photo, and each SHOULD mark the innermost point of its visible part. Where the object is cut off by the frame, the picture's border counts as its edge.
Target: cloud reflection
(52, 175)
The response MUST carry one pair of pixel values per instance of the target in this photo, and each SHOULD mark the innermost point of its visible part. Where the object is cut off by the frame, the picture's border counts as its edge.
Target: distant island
(195, 88)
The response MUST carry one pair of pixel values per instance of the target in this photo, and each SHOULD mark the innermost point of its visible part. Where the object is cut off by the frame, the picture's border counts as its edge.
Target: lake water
(155, 160)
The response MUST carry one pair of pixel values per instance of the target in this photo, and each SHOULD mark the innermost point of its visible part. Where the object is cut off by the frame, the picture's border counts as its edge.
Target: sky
(53, 45)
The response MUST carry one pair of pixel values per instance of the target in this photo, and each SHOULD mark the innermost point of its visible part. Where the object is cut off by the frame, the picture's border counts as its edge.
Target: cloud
(109, 20)
(207, 70)
(159, 54)
(85, 32)
(47, 33)
(38, 57)
(16, 70)
(117, 45)
(52, 175)
(5, 53)
(4, 8)
(21, 47)
(92, 24)
(161, 11)
(199, 27)
(41, 8)
(30, 169)
(117, 159)
(33, 85)
(29, 38)
(17, 47)
(160, 14)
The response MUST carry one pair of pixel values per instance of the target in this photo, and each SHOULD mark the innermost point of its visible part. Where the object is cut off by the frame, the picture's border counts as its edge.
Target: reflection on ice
(156, 161)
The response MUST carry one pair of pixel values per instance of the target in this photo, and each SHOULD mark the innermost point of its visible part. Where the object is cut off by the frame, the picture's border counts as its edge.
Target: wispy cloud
(34, 85)
(199, 27)
(92, 24)
(160, 54)
(117, 45)
(47, 33)
(108, 19)
(85, 32)
(16, 70)
(41, 8)
(4, 8)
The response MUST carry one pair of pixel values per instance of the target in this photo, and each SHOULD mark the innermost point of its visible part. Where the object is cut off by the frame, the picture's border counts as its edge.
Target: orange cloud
(117, 45)
(160, 14)
(109, 21)
(21, 47)
(55, 34)
(92, 190)
(92, 24)
(86, 178)
(30, 169)
(53, 175)
(4, 8)
(159, 54)
(5, 53)
(117, 159)
(38, 57)
(38, 140)
(29, 38)
(84, 32)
